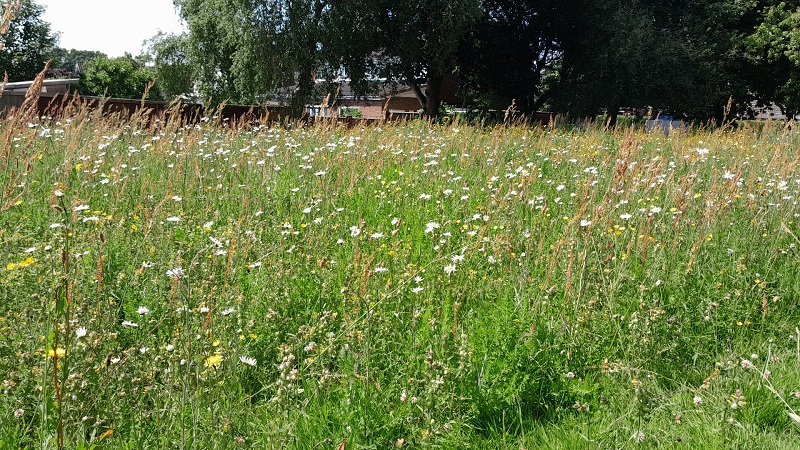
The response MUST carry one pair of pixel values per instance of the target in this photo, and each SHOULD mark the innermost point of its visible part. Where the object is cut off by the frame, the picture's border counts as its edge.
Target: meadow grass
(397, 286)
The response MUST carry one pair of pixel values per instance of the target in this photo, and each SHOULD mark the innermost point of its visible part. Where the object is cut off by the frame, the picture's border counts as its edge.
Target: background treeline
(696, 59)
(570, 56)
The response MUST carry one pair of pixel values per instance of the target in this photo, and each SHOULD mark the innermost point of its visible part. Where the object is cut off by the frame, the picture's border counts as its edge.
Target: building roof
(55, 85)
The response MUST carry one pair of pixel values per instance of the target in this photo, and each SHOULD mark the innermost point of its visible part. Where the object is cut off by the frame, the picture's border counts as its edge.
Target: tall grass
(199, 286)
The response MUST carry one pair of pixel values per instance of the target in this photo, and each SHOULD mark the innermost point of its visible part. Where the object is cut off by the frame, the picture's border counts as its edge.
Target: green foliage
(610, 61)
(775, 45)
(27, 44)
(246, 52)
(284, 46)
(123, 77)
(174, 73)
(415, 43)
(580, 57)
(350, 112)
(576, 57)
(513, 48)
(215, 37)
(646, 54)
(70, 63)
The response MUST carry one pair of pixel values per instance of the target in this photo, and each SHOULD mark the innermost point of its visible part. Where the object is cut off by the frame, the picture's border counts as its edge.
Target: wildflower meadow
(397, 286)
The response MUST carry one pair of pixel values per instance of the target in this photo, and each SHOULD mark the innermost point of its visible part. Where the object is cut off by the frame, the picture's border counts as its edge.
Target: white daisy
(247, 360)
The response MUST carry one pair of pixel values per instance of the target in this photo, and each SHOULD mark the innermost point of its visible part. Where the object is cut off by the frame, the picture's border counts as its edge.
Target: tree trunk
(303, 94)
(306, 81)
(540, 101)
(418, 93)
(433, 96)
(611, 117)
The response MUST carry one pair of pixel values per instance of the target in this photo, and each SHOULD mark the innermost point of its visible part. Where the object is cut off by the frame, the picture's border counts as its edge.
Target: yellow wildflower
(60, 352)
(214, 360)
(27, 262)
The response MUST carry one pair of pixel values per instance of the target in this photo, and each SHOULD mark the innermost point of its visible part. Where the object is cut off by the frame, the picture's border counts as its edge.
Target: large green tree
(417, 42)
(609, 61)
(713, 66)
(27, 43)
(680, 58)
(515, 47)
(775, 49)
(212, 44)
(167, 55)
(575, 56)
(248, 49)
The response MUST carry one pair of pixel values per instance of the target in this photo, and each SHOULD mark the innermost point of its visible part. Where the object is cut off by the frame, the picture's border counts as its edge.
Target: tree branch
(418, 92)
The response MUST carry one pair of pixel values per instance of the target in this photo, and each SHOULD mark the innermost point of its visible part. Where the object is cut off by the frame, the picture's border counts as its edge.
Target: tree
(27, 43)
(515, 46)
(167, 55)
(608, 64)
(283, 48)
(775, 49)
(253, 50)
(250, 48)
(70, 63)
(212, 45)
(414, 42)
(712, 66)
(676, 57)
(122, 77)
(576, 56)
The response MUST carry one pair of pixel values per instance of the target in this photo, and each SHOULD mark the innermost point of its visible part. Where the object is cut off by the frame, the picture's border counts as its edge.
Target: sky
(109, 26)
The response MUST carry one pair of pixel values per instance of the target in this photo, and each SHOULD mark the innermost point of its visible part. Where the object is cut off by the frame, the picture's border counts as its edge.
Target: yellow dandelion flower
(27, 262)
(214, 360)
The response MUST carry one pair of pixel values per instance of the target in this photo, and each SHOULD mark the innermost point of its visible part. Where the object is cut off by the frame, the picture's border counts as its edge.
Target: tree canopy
(167, 55)
(418, 42)
(70, 63)
(27, 43)
(572, 56)
(257, 48)
(577, 57)
(775, 48)
(123, 77)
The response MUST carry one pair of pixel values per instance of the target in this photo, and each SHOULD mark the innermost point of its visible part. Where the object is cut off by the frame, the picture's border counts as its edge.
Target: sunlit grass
(401, 285)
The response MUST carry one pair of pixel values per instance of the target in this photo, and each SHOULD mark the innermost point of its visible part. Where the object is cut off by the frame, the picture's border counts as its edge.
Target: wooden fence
(57, 104)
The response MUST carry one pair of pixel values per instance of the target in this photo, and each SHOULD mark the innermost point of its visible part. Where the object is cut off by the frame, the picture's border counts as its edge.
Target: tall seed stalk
(61, 335)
